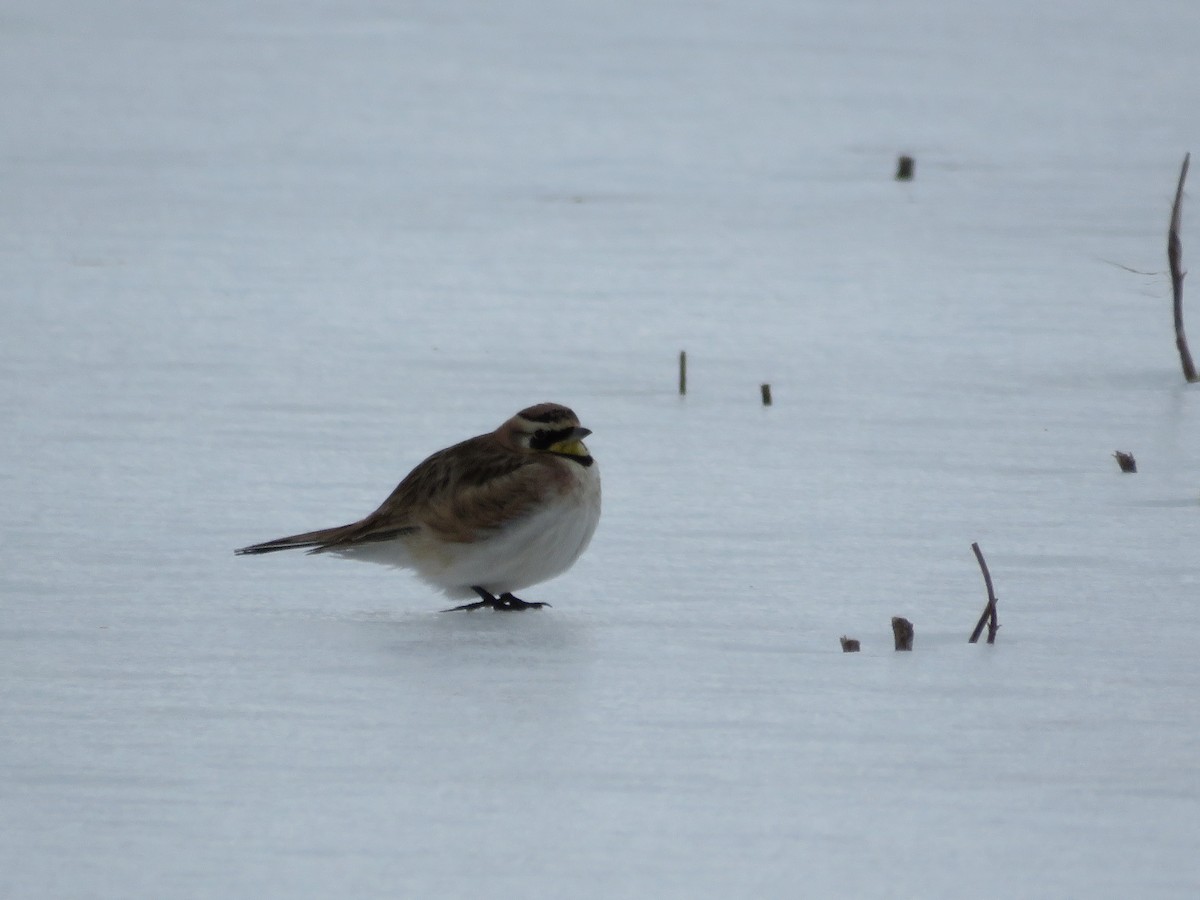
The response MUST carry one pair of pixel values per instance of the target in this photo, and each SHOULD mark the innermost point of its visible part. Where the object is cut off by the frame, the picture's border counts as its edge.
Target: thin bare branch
(989, 611)
(1134, 271)
(1175, 259)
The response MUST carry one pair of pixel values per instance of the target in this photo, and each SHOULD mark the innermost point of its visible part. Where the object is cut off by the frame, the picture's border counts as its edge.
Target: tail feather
(341, 537)
(310, 540)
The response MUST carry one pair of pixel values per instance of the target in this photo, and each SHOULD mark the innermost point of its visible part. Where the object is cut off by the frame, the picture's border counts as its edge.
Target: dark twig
(682, 372)
(850, 645)
(1175, 258)
(989, 611)
(1125, 461)
(902, 630)
(1121, 266)
(765, 390)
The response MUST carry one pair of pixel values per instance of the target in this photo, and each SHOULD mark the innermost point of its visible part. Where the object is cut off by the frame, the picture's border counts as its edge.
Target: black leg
(486, 599)
(504, 603)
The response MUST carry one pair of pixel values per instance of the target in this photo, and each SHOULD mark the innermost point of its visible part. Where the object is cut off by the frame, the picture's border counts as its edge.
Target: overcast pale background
(260, 259)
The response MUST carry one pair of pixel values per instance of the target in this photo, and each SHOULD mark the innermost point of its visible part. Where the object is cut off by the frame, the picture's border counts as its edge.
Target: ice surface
(260, 259)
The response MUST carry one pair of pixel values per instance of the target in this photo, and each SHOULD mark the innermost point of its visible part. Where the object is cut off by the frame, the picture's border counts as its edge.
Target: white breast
(530, 551)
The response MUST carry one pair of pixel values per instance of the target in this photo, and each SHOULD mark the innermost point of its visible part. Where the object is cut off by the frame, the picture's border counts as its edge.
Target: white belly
(527, 552)
(536, 549)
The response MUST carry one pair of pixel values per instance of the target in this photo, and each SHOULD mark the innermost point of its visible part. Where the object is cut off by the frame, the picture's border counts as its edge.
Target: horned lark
(489, 516)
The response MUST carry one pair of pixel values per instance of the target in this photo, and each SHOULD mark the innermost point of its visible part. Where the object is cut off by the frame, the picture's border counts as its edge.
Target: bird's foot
(507, 602)
(504, 603)
(470, 607)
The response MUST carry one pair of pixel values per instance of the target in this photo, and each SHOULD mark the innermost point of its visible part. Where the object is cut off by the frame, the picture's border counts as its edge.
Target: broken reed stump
(849, 645)
(902, 629)
(904, 168)
(1125, 461)
(989, 611)
(1175, 258)
(766, 394)
(682, 372)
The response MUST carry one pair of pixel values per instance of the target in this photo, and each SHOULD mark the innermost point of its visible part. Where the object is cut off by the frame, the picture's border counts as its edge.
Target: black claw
(504, 603)
(516, 603)
(479, 604)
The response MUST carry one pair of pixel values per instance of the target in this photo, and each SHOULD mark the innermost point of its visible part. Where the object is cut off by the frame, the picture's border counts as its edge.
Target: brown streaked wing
(475, 485)
(477, 508)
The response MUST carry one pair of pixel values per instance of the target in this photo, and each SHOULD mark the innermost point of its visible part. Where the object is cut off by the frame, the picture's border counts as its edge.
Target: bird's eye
(541, 440)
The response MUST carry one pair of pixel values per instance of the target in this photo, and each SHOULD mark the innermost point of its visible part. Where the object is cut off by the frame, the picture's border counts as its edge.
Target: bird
(488, 516)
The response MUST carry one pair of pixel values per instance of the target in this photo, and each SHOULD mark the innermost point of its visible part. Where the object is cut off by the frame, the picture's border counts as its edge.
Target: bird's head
(549, 428)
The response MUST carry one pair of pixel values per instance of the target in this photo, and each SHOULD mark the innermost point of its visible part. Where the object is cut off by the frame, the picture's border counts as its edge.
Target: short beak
(579, 433)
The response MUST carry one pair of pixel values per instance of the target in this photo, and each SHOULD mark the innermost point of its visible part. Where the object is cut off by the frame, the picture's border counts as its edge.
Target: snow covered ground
(260, 259)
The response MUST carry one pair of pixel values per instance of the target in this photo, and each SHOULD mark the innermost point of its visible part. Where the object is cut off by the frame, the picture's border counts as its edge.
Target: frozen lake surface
(262, 259)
